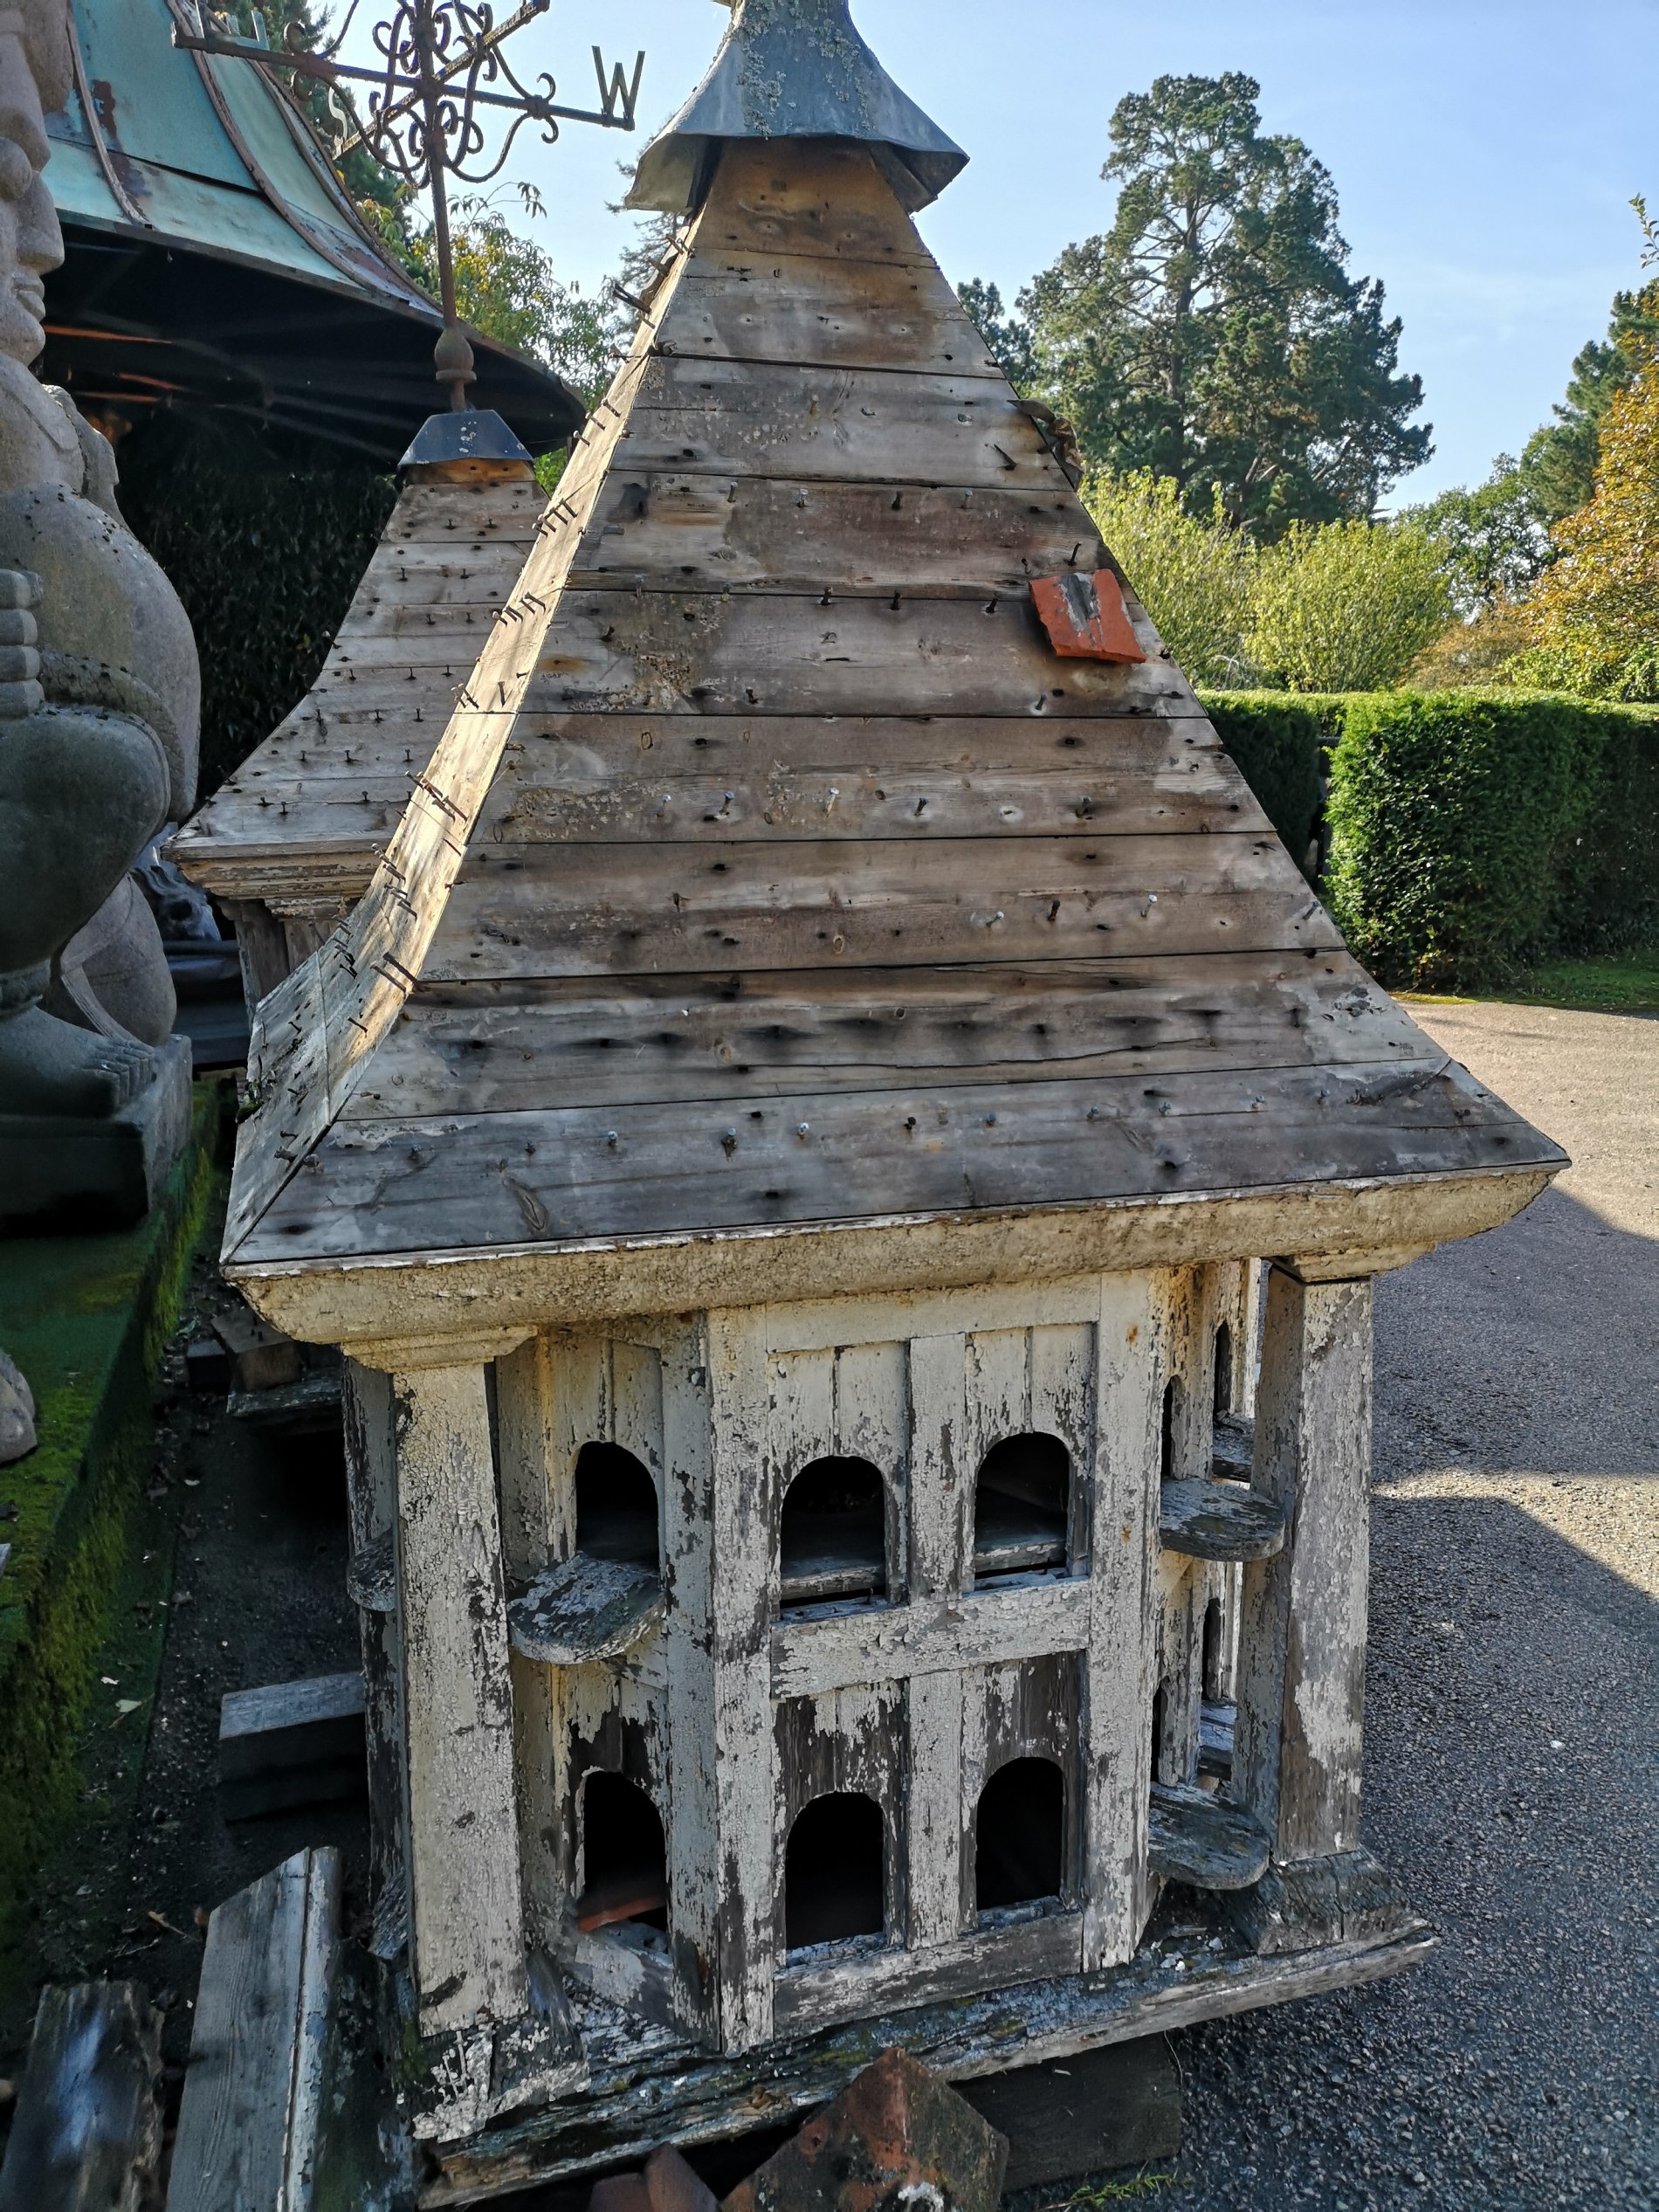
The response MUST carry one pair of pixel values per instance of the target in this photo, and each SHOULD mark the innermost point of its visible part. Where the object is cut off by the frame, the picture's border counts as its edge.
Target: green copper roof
(203, 153)
(214, 260)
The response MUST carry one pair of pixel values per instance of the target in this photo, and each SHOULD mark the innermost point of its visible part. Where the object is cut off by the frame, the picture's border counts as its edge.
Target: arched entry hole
(1022, 1504)
(833, 1538)
(834, 1882)
(616, 1515)
(1019, 1855)
(624, 1859)
(1223, 1385)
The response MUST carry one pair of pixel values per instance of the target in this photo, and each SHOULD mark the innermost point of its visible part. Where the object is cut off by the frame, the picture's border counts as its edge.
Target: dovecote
(848, 1164)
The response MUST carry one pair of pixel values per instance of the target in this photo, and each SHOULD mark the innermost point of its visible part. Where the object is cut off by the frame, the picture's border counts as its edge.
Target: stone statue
(100, 714)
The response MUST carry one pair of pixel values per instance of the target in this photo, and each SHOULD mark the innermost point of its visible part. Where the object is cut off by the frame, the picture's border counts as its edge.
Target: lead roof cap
(794, 69)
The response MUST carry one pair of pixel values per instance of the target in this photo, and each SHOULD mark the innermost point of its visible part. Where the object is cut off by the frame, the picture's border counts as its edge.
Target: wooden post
(744, 1540)
(1302, 1656)
(1123, 1565)
(467, 1905)
(941, 1487)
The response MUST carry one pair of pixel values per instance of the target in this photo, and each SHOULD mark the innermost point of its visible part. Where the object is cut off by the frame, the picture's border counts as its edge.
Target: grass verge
(1615, 983)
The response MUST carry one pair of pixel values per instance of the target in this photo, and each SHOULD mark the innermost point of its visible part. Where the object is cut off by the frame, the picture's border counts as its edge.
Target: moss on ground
(87, 1319)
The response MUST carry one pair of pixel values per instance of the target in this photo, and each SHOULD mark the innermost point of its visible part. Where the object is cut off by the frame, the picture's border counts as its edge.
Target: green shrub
(1346, 607)
(1472, 832)
(1192, 577)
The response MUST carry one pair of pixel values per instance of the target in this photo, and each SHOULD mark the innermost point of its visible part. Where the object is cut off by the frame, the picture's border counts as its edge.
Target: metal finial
(794, 69)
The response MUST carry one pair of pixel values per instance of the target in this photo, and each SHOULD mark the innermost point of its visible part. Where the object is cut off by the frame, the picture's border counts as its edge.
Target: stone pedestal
(60, 1175)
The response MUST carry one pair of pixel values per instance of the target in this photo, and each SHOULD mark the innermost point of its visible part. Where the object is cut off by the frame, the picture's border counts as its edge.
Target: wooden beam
(290, 1744)
(741, 1537)
(1301, 1660)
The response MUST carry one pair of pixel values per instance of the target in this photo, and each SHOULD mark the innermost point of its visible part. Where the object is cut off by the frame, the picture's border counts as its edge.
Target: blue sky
(1484, 152)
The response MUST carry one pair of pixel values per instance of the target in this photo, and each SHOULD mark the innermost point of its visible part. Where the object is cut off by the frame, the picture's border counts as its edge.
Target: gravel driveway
(1513, 1710)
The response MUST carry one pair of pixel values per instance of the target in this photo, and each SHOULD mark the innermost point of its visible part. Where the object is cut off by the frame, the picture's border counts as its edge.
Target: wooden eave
(776, 882)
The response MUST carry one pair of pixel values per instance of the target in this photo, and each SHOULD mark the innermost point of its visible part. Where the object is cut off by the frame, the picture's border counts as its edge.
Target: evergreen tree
(1559, 461)
(1212, 334)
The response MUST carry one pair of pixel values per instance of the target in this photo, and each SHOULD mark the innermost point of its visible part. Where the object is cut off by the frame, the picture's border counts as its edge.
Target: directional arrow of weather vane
(441, 64)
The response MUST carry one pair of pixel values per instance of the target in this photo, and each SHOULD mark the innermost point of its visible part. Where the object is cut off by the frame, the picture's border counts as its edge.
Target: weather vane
(441, 65)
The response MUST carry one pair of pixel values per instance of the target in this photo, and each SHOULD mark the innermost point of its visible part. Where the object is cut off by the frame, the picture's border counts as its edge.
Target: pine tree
(1212, 334)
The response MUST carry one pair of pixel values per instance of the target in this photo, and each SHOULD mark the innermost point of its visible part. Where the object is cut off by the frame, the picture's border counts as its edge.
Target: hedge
(1467, 834)
(265, 537)
(1472, 834)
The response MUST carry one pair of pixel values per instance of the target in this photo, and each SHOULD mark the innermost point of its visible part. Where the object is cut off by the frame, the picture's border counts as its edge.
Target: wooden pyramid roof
(307, 815)
(776, 880)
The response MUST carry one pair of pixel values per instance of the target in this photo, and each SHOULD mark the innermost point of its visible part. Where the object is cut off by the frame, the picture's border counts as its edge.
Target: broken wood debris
(88, 2132)
(253, 2089)
(291, 1744)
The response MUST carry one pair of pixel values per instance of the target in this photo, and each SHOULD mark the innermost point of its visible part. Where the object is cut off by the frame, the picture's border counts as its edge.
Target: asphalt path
(1512, 1705)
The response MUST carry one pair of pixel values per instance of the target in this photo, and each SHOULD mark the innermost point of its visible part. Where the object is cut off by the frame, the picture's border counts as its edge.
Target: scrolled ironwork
(442, 71)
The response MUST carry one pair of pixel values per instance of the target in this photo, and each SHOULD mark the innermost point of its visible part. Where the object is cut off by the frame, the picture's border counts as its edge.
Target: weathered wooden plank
(1201, 1840)
(771, 533)
(86, 2134)
(928, 1636)
(556, 1177)
(565, 802)
(606, 779)
(640, 2090)
(371, 1504)
(684, 1037)
(815, 1996)
(1221, 1520)
(1122, 1537)
(439, 513)
(842, 425)
(820, 310)
(705, 652)
(465, 1904)
(872, 1423)
(617, 910)
(835, 201)
(1301, 1692)
(696, 1884)
(252, 2105)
